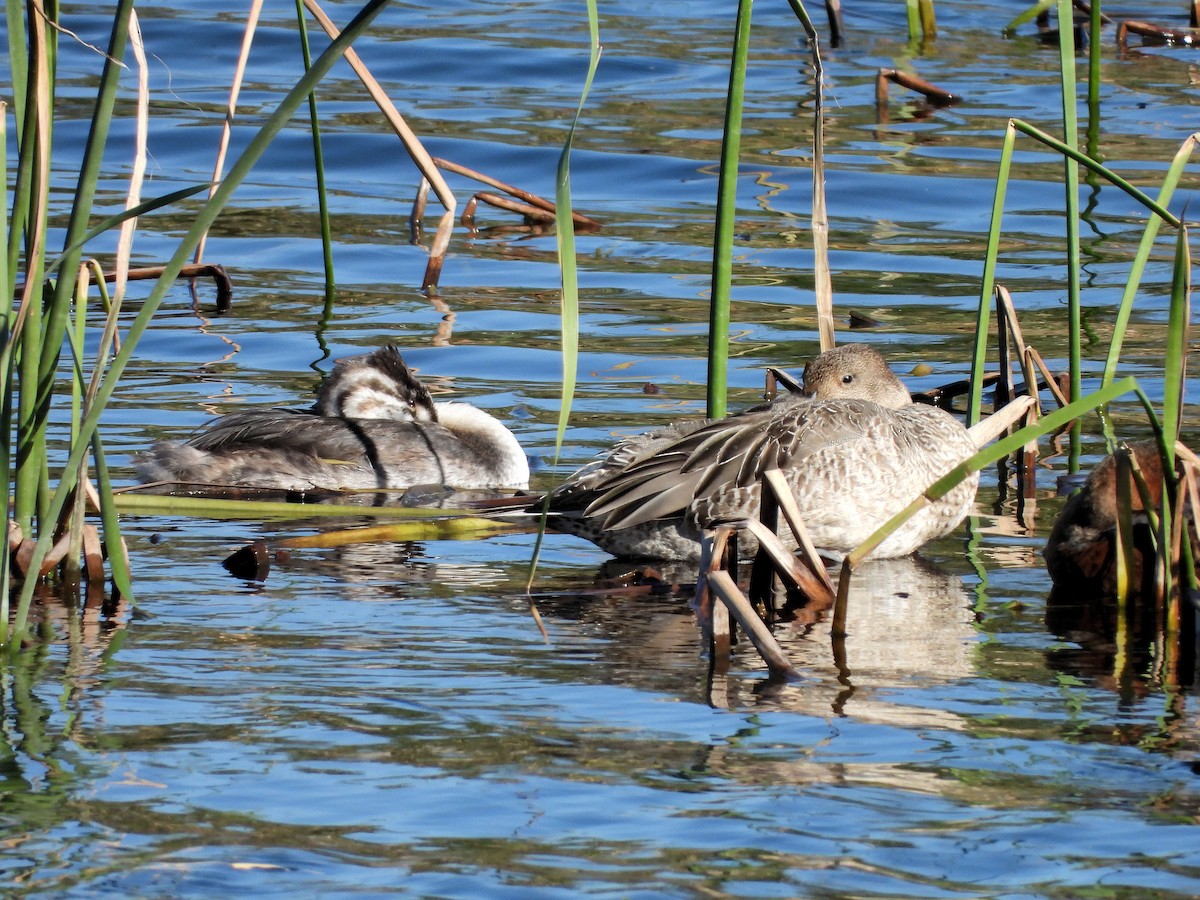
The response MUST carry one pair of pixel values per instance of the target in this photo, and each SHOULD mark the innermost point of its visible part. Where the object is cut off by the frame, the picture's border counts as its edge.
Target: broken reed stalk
(775, 484)
(934, 94)
(214, 271)
(721, 584)
(412, 144)
(1156, 34)
(712, 617)
(235, 90)
(532, 213)
(1009, 331)
(822, 274)
(533, 200)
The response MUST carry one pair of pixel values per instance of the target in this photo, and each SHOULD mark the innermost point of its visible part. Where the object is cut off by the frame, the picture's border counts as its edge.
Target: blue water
(384, 718)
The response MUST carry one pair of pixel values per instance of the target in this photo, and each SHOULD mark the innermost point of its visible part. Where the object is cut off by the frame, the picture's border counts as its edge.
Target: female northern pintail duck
(855, 451)
(374, 425)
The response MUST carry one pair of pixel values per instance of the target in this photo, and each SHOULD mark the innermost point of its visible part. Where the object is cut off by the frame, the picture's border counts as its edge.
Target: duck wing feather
(727, 457)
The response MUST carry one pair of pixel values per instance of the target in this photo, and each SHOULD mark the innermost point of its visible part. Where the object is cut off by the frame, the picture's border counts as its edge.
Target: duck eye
(846, 379)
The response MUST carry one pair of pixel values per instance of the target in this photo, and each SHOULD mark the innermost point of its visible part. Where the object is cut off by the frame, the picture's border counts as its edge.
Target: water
(384, 718)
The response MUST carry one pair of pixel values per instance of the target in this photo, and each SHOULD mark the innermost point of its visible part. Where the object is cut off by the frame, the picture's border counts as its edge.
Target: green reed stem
(928, 19)
(204, 219)
(31, 483)
(1175, 364)
(569, 273)
(913, 15)
(1029, 15)
(18, 58)
(7, 282)
(1086, 161)
(988, 281)
(1094, 26)
(318, 164)
(1066, 60)
(722, 266)
(565, 231)
(1174, 173)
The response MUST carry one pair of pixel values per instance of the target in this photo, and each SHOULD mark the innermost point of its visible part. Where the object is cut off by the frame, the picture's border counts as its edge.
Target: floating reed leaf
(136, 502)
(460, 528)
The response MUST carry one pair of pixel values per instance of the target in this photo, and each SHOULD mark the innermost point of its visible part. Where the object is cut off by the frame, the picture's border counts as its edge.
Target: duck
(374, 425)
(1080, 552)
(854, 448)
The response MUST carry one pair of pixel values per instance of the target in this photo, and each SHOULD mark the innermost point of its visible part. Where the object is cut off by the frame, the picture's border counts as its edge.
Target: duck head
(855, 371)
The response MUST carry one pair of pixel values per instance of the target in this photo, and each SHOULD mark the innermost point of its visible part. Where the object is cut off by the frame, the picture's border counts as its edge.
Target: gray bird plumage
(374, 425)
(854, 451)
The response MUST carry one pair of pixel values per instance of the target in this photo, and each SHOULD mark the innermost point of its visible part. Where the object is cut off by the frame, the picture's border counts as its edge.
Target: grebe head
(858, 372)
(377, 385)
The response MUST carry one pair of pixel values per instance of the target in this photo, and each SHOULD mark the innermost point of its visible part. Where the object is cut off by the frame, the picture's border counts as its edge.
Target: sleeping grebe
(374, 425)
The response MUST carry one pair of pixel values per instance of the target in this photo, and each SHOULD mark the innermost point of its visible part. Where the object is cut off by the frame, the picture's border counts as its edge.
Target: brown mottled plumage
(856, 451)
(374, 425)
(1081, 550)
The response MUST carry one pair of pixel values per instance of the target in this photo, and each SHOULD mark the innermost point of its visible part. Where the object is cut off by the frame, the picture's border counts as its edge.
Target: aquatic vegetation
(48, 512)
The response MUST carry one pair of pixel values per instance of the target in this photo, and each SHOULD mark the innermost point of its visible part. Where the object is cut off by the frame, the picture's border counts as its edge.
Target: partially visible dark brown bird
(1081, 551)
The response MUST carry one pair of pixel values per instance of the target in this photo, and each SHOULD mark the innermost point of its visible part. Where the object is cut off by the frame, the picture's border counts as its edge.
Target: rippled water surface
(378, 719)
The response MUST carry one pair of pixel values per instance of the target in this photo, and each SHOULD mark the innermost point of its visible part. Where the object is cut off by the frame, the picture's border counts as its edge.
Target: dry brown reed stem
(1156, 33)
(535, 213)
(818, 590)
(777, 378)
(837, 26)
(712, 617)
(1049, 380)
(532, 199)
(774, 481)
(437, 252)
(93, 554)
(934, 94)
(1123, 543)
(416, 150)
(196, 270)
(235, 90)
(987, 430)
(721, 584)
(1009, 328)
(138, 172)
